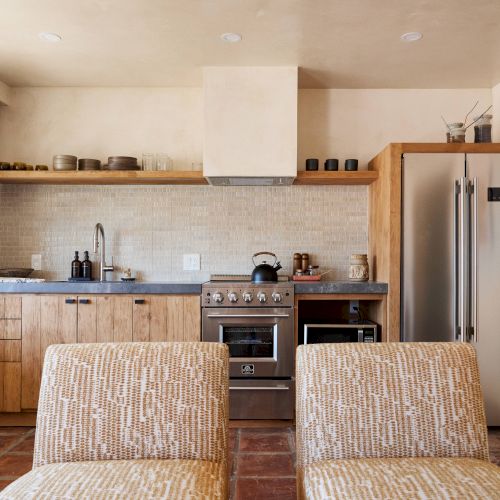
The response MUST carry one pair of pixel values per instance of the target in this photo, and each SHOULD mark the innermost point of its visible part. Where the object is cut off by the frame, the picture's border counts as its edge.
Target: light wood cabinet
(10, 353)
(30, 323)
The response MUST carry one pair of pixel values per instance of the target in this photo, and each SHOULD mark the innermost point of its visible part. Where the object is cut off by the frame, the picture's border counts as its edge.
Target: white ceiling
(336, 43)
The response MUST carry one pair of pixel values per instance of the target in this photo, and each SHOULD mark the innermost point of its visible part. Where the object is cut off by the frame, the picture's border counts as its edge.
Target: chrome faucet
(103, 268)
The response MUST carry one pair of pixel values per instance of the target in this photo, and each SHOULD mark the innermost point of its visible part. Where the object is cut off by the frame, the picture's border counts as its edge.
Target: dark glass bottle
(86, 266)
(76, 267)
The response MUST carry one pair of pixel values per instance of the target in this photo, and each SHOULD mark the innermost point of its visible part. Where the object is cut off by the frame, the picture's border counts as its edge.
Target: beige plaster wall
(99, 122)
(335, 123)
(358, 123)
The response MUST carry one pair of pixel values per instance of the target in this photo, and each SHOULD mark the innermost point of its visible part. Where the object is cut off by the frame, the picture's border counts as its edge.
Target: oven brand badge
(247, 369)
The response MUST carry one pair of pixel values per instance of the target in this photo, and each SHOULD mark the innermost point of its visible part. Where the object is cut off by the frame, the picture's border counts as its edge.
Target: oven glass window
(249, 341)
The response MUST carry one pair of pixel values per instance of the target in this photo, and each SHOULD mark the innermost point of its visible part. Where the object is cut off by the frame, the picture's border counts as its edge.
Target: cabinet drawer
(10, 329)
(10, 307)
(10, 350)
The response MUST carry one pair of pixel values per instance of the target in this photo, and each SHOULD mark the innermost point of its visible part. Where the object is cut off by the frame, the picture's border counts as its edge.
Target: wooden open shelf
(340, 177)
(101, 177)
(318, 178)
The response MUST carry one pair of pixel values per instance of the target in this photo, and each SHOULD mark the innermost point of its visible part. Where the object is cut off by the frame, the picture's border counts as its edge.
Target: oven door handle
(279, 388)
(248, 315)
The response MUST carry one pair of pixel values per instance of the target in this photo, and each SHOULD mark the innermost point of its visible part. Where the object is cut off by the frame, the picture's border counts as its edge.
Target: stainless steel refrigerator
(450, 275)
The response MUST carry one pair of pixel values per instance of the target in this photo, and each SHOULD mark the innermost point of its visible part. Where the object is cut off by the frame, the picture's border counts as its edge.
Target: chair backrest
(133, 401)
(389, 400)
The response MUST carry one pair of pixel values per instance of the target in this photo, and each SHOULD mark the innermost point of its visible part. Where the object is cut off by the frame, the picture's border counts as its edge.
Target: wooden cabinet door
(174, 318)
(46, 320)
(10, 375)
(114, 318)
(86, 319)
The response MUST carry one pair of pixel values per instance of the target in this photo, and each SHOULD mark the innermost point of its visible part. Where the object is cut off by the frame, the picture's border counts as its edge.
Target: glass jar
(358, 270)
(457, 132)
(482, 129)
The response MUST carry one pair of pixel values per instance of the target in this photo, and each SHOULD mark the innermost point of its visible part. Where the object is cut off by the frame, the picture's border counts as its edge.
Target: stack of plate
(121, 163)
(64, 162)
(89, 164)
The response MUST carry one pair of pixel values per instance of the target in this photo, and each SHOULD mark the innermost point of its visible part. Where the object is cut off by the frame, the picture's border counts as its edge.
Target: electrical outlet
(36, 262)
(191, 262)
(352, 305)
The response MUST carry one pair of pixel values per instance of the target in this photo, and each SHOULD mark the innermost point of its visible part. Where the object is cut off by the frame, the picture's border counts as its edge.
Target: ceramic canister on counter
(358, 270)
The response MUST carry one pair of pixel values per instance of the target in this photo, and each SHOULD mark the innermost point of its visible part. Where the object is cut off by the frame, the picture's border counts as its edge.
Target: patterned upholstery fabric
(357, 402)
(129, 401)
(127, 479)
(403, 479)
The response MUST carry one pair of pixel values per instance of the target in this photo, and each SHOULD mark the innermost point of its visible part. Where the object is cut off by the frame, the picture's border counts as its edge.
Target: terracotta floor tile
(265, 442)
(4, 483)
(262, 430)
(233, 436)
(266, 465)
(25, 445)
(15, 465)
(7, 441)
(269, 489)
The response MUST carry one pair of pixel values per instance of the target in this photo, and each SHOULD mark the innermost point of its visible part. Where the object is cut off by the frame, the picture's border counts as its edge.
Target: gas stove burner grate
(239, 277)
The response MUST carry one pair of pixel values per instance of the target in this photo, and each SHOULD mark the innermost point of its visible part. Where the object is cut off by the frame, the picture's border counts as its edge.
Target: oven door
(260, 341)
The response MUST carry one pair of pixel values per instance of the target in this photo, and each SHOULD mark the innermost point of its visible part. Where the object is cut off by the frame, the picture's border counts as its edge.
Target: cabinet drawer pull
(84, 301)
(139, 301)
(70, 301)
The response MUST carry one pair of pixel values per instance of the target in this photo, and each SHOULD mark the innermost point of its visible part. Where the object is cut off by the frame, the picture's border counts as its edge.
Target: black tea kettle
(265, 272)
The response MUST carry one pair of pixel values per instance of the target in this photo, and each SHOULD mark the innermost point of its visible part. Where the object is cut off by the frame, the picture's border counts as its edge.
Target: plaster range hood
(250, 125)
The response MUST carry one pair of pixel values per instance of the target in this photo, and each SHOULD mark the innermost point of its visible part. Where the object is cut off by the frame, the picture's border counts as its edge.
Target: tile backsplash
(150, 228)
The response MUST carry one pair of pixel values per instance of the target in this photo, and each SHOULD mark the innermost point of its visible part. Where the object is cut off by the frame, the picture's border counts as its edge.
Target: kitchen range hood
(250, 125)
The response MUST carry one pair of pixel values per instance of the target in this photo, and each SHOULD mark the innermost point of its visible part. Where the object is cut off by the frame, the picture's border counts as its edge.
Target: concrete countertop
(96, 287)
(175, 287)
(340, 287)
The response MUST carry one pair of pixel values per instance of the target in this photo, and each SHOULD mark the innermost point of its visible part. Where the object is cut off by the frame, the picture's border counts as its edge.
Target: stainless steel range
(256, 322)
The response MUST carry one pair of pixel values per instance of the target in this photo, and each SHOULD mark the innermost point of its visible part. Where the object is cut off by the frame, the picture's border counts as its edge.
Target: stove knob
(233, 297)
(277, 297)
(247, 297)
(218, 298)
(262, 297)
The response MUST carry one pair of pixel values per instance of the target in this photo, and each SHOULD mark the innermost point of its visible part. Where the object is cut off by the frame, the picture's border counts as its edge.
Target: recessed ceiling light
(412, 36)
(50, 37)
(231, 37)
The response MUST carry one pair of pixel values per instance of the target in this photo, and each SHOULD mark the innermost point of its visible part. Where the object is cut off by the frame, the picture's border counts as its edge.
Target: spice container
(482, 129)
(297, 262)
(305, 261)
(358, 270)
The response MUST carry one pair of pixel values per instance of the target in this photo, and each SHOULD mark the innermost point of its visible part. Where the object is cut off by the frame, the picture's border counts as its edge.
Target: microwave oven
(323, 333)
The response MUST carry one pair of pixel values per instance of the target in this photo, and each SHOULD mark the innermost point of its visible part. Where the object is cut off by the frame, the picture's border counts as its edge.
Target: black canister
(351, 165)
(332, 164)
(312, 164)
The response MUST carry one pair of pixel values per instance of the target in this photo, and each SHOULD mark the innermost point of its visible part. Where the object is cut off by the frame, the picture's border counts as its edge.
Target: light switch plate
(191, 262)
(36, 262)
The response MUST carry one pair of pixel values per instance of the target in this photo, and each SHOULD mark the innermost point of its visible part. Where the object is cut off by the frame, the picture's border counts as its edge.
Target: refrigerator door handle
(462, 262)
(473, 259)
(456, 259)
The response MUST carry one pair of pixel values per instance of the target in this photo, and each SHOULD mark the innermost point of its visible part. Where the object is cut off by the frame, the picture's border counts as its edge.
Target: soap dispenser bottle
(86, 266)
(76, 267)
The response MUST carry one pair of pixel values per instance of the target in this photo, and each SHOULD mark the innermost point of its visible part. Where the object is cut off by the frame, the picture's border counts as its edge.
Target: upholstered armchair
(130, 420)
(392, 421)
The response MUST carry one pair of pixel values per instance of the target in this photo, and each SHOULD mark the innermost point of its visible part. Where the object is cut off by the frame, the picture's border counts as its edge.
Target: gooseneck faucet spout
(103, 268)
